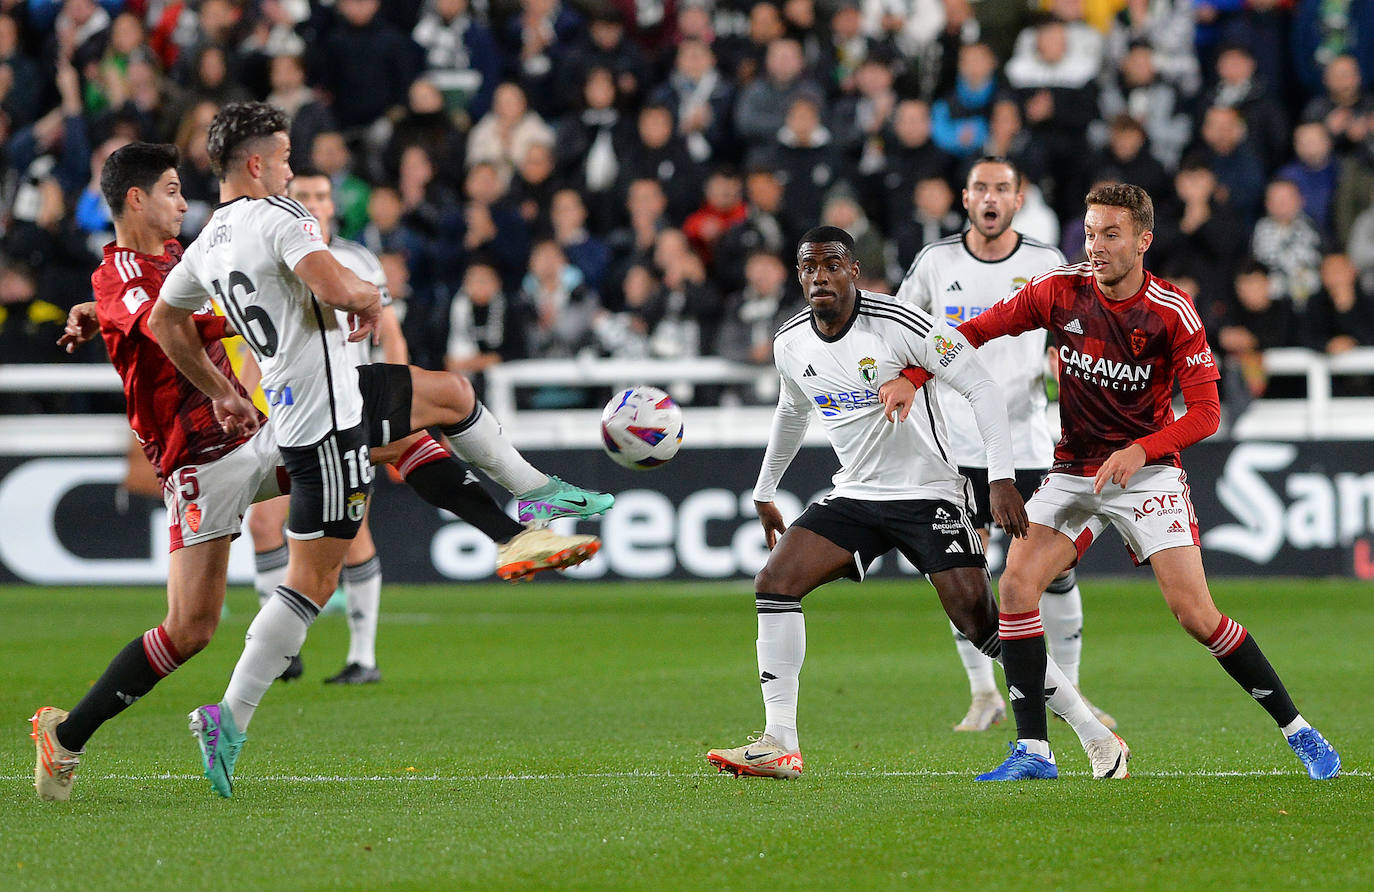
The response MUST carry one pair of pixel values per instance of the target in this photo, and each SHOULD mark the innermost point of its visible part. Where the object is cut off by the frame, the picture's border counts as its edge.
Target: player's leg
(802, 560)
(447, 401)
(986, 707)
(1184, 585)
(361, 578)
(266, 525)
(1061, 612)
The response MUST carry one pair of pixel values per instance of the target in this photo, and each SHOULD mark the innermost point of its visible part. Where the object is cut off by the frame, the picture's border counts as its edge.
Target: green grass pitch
(553, 735)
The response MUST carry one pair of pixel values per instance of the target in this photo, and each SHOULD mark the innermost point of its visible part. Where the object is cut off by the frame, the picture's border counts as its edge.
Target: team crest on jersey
(1017, 283)
(868, 369)
(1137, 341)
(193, 517)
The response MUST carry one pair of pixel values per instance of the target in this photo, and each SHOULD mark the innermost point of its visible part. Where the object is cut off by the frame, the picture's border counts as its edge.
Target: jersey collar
(963, 240)
(858, 296)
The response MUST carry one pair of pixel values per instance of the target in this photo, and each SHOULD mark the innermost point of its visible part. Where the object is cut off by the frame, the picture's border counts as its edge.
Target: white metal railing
(1319, 414)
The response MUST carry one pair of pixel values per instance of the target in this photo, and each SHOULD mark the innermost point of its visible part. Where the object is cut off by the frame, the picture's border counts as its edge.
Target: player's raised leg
(1184, 584)
(801, 561)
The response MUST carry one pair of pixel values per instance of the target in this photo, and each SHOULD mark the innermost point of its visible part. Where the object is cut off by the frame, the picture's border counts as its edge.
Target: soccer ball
(641, 428)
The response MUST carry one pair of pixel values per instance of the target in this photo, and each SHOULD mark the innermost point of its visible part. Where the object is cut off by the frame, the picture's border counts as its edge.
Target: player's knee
(191, 635)
(778, 581)
(1018, 592)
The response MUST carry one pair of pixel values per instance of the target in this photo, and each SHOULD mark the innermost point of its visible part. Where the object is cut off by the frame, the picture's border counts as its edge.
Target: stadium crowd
(628, 178)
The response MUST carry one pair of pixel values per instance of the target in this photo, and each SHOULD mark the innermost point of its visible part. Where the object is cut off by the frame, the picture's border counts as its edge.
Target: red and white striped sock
(1015, 626)
(161, 653)
(422, 452)
(1228, 636)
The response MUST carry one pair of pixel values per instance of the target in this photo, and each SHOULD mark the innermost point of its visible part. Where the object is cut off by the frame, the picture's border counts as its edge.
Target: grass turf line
(554, 737)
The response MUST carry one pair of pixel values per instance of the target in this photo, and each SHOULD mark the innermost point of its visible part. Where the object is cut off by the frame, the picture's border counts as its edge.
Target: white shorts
(1151, 514)
(207, 501)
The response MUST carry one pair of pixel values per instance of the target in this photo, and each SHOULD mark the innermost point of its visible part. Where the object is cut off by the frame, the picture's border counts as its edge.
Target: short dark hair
(823, 234)
(138, 164)
(1133, 199)
(998, 159)
(236, 126)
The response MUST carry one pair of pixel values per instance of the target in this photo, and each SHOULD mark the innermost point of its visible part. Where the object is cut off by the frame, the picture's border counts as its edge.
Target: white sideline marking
(628, 775)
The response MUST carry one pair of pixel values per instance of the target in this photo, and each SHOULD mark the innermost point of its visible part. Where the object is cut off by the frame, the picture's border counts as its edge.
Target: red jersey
(1117, 359)
(173, 421)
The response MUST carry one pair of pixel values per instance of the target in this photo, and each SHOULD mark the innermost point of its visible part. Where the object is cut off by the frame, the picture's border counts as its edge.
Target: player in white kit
(957, 278)
(264, 258)
(896, 488)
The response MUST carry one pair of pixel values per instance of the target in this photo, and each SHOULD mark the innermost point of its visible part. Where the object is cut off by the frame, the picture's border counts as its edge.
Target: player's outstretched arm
(338, 286)
(177, 333)
(82, 326)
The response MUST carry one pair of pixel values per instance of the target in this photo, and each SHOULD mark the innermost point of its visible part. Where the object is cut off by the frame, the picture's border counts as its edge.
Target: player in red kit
(1123, 337)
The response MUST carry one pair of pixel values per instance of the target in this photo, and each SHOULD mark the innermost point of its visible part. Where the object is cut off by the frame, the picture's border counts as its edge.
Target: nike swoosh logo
(752, 756)
(581, 503)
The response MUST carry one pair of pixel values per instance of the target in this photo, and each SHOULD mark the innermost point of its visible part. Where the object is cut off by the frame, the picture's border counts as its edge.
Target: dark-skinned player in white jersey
(896, 488)
(1123, 336)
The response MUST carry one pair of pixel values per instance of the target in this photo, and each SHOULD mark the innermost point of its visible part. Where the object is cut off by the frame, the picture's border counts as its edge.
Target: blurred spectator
(588, 253)
(844, 49)
(501, 137)
(866, 115)
(589, 145)
(691, 308)
(1008, 139)
(960, 118)
(1036, 218)
(310, 115)
(723, 208)
(624, 333)
(1340, 316)
(808, 161)
(79, 35)
(537, 40)
(558, 307)
(461, 56)
(1239, 87)
(998, 23)
(605, 44)
(909, 26)
(1237, 166)
(704, 101)
(1135, 88)
(753, 315)
(763, 105)
(366, 64)
(1345, 108)
(646, 206)
(1287, 242)
(1255, 322)
(1198, 233)
(491, 225)
(533, 186)
(427, 122)
(656, 152)
(109, 87)
(1042, 58)
(1165, 29)
(931, 217)
(29, 329)
(1360, 247)
(21, 86)
(1315, 172)
(1125, 159)
(209, 82)
(1356, 190)
(870, 248)
(909, 155)
(199, 184)
(1324, 29)
(764, 228)
(92, 214)
(483, 327)
(330, 155)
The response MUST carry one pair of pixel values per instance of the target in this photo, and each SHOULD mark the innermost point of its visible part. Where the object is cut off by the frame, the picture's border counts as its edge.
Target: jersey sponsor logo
(947, 349)
(134, 298)
(1074, 327)
(955, 286)
(278, 397)
(832, 405)
(1102, 371)
(868, 369)
(957, 314)
(1170, 503)
(1202, 358)
(1137, 341)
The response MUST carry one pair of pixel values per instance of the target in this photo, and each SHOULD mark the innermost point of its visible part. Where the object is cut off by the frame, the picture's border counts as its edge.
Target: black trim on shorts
(933, 534)
(387, 392)
(1028, 480)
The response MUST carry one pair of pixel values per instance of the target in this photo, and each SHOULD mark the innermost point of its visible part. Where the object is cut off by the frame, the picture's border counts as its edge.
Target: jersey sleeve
(1024, 311)
(790, 421)
(131, 305)
(915, 288)
(293, 237)
(182, 289)
(1192, 357)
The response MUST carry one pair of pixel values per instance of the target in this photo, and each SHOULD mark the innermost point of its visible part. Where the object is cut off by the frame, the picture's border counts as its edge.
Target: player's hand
(897, 396)
(82, 326)
(771, 518)
(1008, 508)
(1120, 467)
(235, 414)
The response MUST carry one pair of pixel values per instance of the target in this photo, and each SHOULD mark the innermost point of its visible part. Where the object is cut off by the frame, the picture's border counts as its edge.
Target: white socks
(1061, 613)
(977, 665)
(478, 441)
(781, 648)
(1066, 703)
(274, 637)
(269, 571)
(362, 585)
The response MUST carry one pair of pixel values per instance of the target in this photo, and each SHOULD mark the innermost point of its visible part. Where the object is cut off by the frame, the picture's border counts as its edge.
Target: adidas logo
(1175, 527)
(1260, 693)
(1013, 693)
(955, 286)
(470, 477)
(810, 372)
(1074, 327)
(954, 548)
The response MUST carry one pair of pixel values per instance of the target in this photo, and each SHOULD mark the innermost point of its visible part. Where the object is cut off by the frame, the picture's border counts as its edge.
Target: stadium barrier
(1284, 508)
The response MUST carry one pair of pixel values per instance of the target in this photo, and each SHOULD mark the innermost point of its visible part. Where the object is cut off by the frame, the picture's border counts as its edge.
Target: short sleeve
(293, 236)
(181, 289)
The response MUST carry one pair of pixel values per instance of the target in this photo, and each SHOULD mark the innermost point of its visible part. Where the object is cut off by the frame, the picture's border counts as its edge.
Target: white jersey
(365, 265)
(839, 378)
(947, 280)
(244, 258)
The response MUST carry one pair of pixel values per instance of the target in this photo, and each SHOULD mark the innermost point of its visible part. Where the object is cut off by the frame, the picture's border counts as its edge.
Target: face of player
(164, 206)
(827, 272)
(1114, 247)
(276, 163)
(992, 199)
(317, 194)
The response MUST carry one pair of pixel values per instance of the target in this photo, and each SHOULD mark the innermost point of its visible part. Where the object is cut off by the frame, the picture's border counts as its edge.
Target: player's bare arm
(179, 337)
(1008, 508)
(771, 518)
(1120, 467)
(897, 397)
(338, 286)
(82, 326)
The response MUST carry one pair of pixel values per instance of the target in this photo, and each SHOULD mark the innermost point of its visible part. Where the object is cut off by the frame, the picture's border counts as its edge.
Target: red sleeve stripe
(1228, 636)
(1011, 626)
(1078, 269)
(126, 265)
(1179, 304)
